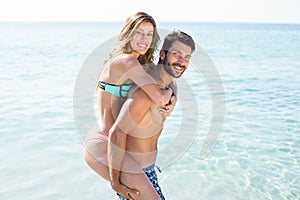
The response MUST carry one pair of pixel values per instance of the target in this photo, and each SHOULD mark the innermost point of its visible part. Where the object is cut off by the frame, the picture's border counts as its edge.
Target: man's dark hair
(178, 36)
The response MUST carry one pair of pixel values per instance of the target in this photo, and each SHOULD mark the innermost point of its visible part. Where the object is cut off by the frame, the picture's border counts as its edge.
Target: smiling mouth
(178, 67)
(142, 45)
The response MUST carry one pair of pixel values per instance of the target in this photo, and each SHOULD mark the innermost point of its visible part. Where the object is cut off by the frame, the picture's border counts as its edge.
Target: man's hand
(124, 191)
(167, 109)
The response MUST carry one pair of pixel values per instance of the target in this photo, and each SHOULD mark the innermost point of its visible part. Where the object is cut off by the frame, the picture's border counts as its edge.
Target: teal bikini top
(116, 90)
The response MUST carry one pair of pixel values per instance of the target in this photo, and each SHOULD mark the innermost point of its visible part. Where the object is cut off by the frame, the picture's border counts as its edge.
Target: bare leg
(95, 154)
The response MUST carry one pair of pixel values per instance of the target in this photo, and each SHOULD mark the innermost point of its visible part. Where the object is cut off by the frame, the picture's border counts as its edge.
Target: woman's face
(142, 38)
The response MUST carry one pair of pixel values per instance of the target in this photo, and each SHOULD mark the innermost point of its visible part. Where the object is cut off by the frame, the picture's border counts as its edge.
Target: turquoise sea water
(256, 157)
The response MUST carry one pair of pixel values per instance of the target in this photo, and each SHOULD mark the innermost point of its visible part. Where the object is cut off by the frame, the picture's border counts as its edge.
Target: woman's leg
(95, 154)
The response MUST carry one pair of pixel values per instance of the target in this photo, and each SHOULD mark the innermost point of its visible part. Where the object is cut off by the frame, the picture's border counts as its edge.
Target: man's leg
(152, 176)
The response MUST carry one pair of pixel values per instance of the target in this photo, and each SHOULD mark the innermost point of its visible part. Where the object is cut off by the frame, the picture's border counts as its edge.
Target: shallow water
(256, 157)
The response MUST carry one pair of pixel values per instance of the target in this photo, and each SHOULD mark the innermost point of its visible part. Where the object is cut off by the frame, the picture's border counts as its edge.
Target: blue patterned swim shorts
(152, 176)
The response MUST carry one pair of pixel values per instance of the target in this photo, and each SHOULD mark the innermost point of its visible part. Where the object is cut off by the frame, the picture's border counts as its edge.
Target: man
(139, 123)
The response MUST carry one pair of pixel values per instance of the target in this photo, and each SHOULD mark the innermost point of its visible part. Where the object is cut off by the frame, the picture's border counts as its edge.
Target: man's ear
(162, 54)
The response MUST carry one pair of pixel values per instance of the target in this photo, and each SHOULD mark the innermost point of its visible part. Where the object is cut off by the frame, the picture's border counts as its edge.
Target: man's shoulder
(153, 71)
(173, 82)
(150, 68)
(173, 86)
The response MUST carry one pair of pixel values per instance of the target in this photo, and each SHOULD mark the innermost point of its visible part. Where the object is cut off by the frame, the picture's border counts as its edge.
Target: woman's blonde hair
(127, 33)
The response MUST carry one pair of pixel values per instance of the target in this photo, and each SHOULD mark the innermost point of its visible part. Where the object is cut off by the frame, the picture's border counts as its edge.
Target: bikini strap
(101, 85)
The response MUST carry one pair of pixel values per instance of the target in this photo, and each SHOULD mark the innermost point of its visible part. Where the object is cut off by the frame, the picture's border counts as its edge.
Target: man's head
(176, 53)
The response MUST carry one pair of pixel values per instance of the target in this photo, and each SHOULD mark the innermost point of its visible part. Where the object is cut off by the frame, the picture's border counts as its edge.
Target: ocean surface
(255, 155)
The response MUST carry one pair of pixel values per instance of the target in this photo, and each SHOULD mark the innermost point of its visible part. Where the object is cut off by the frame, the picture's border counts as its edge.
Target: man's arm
(132, 113)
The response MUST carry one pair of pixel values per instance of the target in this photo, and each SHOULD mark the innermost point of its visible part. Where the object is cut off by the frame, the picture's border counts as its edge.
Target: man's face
(177, 58)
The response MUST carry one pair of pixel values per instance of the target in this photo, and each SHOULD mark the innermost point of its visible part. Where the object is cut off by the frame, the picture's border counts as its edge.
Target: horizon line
(113, 21)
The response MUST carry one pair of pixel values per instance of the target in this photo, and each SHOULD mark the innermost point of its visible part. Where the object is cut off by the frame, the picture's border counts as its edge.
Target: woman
(137, 42)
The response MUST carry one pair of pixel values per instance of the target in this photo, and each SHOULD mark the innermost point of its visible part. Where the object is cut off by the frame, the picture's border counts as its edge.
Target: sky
(248, 11)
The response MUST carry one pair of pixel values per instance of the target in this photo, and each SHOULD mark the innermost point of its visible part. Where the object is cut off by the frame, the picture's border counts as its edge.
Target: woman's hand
(125, 191)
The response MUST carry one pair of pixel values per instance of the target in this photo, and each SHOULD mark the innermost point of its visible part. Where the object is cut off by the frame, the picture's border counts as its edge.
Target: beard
(168, 68)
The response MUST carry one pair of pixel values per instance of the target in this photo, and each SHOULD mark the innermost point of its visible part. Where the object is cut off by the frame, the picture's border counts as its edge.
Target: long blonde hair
(127, 33)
